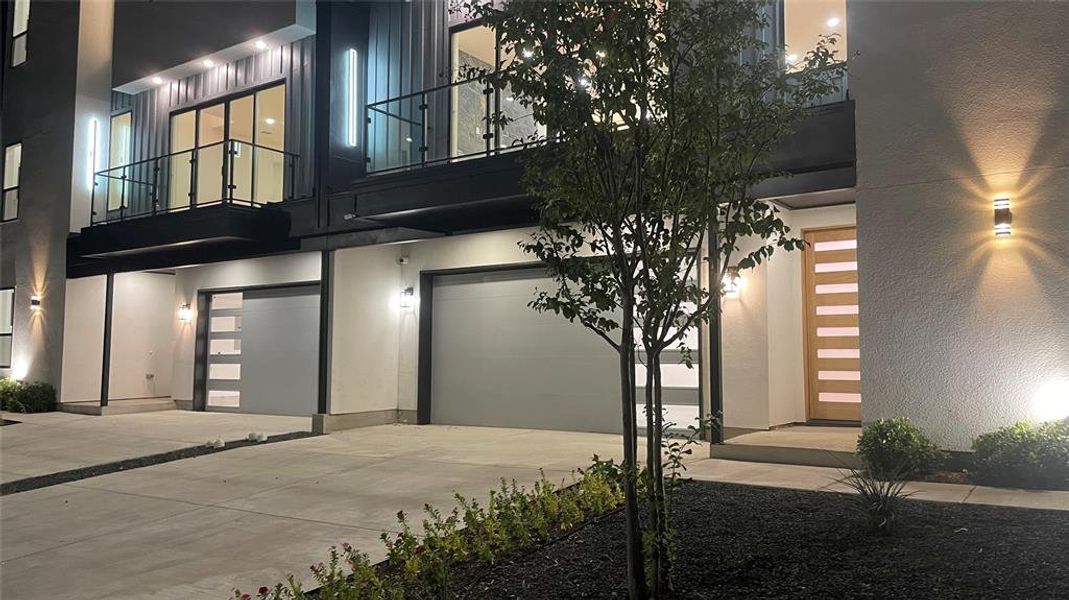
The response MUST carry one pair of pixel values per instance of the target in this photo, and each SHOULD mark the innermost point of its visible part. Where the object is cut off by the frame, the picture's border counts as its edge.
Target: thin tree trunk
(652, 458)
(636, 576)
(660, 521)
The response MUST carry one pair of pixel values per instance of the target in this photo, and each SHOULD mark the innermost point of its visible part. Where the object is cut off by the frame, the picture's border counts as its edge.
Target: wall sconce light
(185, 313)
(732, 283)
(1003, 217)
(35, 303)
(408, 298)
(352, 99)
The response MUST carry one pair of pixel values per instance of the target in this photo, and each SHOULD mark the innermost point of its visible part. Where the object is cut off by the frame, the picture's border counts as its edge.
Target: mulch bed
(8, 422)
(750, 542)
(41, 481)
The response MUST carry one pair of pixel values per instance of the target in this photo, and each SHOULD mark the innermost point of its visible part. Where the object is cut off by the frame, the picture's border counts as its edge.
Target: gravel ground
(751, 542)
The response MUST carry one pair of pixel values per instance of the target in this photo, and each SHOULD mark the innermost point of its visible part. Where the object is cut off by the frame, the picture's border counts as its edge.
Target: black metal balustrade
(226, 172)
(451, 122)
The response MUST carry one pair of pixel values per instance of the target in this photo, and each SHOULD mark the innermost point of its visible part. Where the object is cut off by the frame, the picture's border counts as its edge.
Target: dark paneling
(153, 36)
(201, 226)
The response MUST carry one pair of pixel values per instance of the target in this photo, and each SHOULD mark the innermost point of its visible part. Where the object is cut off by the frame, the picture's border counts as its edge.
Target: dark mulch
(750, 542)
(7, 422)
(33, 483)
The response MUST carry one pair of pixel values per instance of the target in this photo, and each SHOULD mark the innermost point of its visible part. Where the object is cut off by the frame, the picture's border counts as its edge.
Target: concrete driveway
(195, 528)
(56, 441)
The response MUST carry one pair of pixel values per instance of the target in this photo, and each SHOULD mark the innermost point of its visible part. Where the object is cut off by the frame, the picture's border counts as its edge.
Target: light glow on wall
(408, 299)
(352, 124)
(185, 313)
(1051, 401)
(732, 283)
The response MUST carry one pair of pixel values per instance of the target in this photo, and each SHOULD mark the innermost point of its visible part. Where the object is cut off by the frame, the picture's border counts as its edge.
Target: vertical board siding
(293, 63)
(408, 51)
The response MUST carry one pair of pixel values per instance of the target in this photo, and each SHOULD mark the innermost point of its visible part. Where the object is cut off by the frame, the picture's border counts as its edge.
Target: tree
(662, 117)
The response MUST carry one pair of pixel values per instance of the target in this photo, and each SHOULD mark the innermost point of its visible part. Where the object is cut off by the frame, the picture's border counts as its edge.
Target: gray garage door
(497, 362)
(263, 351)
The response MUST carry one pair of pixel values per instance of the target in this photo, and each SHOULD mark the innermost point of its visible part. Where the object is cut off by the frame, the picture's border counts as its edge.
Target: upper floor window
(7, 318)
(804, 21)
(9, 206)
(20, 23)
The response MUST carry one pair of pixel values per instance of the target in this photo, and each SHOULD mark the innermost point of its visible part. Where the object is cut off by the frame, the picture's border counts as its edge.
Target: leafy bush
(422, 567)
(878, 499)
(896, 448)
(1024, 455)
(32, 397)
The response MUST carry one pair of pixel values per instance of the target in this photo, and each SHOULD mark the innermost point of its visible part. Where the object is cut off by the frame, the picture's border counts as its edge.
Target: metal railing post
(93, 200)
(488, 135)
(122, 195)
(155, 186)
(193, 155)
(423, 146)
(293, 174)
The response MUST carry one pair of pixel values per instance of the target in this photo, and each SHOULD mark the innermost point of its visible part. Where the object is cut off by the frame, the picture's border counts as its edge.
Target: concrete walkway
(195, 528)
(55, 441)
(824, 479)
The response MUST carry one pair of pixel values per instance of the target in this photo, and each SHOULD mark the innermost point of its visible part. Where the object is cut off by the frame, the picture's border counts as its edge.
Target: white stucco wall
(958, 104)
(366, 331)
(289, 268)
(763, 333)
(142, 336)
(83, 339)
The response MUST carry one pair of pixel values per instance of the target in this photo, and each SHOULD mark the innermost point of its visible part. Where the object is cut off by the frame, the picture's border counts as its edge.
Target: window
(118, 156)
(9, 207)
(20, 23)
(804, 21)
(7, 317)
(243, 138)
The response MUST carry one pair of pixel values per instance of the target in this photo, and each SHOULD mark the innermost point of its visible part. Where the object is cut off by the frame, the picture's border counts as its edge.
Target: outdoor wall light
(1003, 217)
(157, 80)
(732, 283)
(35, 303)
(408, 298)
(260, 45)
(185, 313)
(352, 97)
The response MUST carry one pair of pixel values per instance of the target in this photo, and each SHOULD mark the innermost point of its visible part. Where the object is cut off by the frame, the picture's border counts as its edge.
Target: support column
(326, 322)
(105, 373)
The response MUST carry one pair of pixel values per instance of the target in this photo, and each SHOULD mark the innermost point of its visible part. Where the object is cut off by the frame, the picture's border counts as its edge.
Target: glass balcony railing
(226, 172)
(451, 122)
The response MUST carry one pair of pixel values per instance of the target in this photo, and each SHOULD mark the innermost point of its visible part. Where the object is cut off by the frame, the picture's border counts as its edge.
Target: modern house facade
(301, 210)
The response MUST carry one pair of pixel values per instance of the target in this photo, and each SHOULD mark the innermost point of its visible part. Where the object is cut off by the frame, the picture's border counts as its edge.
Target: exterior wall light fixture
(1003, 217)
(35, 303)
(732, 283)
(185, 313)
(408, 298)
(352, 76)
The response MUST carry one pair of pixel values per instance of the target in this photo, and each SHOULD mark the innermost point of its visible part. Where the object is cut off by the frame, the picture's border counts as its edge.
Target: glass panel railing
(452, 122)
(229, 171)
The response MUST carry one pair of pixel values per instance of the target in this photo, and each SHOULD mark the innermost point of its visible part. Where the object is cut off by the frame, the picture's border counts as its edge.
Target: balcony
(211, 202)
(229, 172)
(459, 121)
(453, 122)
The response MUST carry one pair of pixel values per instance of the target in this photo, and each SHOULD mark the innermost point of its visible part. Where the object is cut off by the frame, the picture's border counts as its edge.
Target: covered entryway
(262, 350)
(497, 362)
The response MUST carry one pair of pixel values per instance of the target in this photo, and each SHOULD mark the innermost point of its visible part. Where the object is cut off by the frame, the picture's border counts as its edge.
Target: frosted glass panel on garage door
(497, 362)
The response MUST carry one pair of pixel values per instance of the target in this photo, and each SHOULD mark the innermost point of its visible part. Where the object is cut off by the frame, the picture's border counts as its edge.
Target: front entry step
(813, 446)
(118, 407)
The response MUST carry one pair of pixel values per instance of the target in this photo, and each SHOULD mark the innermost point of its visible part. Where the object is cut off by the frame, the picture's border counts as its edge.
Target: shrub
(418, 567)
(878, 499)
(896, 448)
(32, 397)
(1024, 455)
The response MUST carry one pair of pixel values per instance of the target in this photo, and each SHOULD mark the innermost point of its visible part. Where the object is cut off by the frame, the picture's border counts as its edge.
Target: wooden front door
(833, 359)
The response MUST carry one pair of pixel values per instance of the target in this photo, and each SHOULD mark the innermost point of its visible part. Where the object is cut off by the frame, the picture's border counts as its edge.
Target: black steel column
(716, 365)
(105, 369)
(326, 318)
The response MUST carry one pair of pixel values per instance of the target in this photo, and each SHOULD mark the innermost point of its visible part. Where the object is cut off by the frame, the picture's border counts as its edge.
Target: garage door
(497, 362)
(263, 349)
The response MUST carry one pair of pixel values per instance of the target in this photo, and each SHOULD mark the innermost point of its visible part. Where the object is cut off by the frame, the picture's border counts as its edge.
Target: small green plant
(1024, 455)
(421, 567)
(896, 448)
(26, 397)
(877, 499)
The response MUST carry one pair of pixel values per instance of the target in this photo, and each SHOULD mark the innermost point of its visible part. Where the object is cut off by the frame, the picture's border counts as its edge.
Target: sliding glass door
(229, 150)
